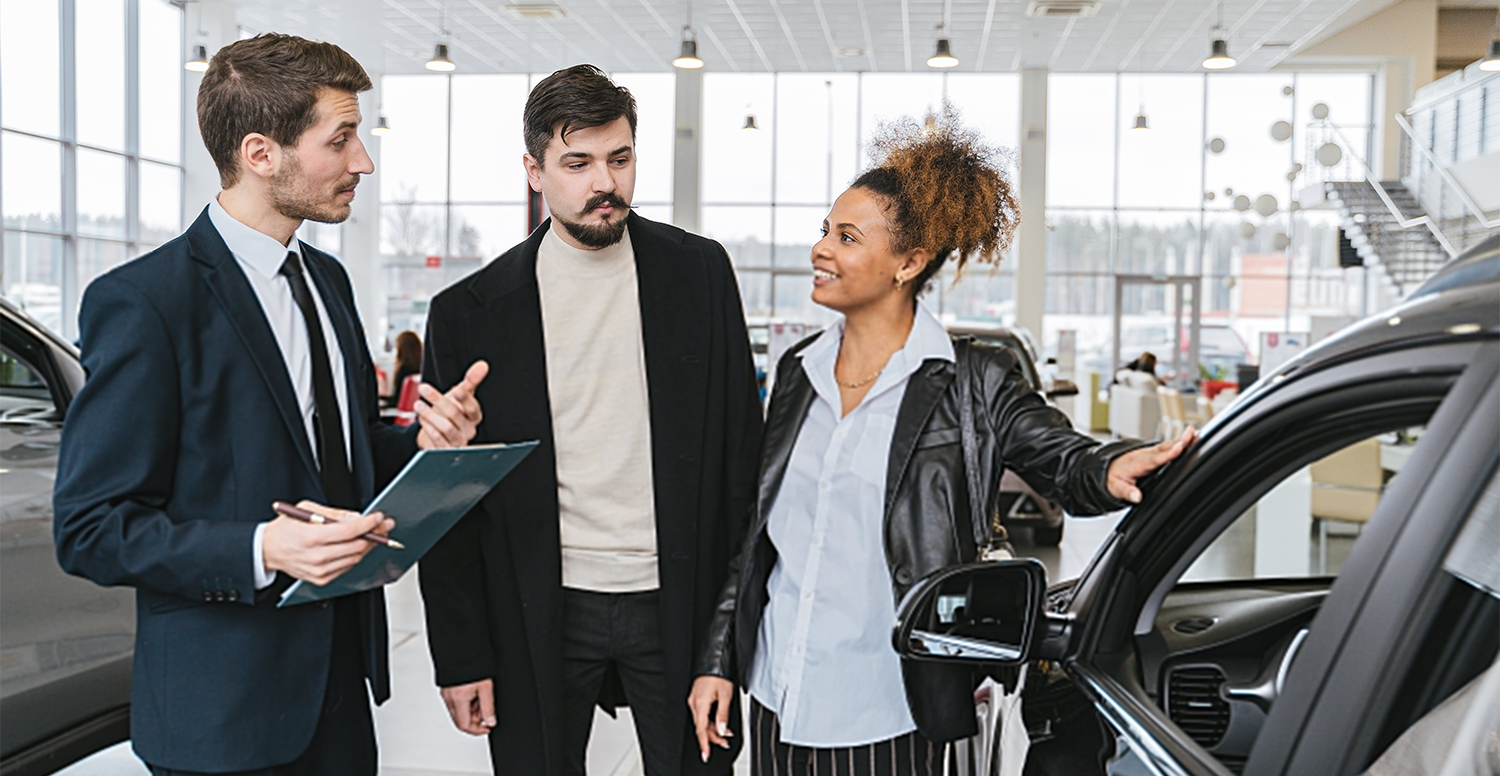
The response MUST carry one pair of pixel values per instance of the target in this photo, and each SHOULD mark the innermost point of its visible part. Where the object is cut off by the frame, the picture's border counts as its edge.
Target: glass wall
(90, 144)
(453, 190)
(1211, 188)
(766, 190)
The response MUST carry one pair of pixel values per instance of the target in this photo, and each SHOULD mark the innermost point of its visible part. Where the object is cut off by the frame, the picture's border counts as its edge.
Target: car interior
(1218, 650)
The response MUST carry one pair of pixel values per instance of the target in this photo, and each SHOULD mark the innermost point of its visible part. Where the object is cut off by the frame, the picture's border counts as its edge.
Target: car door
(1128, 606)
(66, 643)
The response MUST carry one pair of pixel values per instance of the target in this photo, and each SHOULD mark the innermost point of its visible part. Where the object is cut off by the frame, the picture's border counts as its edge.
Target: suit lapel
(923, 392)
(227, 282)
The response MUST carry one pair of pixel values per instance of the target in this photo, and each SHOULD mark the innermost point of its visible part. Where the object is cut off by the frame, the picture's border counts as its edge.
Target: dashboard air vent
(1195, 703)
(1190, 626)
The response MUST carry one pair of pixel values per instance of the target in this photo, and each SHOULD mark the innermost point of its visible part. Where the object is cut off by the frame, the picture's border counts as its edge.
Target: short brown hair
(268, 84)
(945, 190)
(579, 97)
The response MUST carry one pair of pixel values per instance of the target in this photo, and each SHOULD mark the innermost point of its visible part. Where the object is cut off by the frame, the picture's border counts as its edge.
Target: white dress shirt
(824, 661)
(260, 257)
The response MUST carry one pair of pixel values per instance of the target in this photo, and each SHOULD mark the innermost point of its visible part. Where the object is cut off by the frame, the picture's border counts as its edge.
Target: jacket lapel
(923, 392)
(672, 287)
(227, 282)
(789, 404)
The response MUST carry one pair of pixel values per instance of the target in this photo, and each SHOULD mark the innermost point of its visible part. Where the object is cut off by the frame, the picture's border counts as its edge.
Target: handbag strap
(978, 525)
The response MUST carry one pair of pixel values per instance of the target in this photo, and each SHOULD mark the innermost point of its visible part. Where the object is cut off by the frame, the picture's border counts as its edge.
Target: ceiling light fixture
(687, 57)
(1218, 57)
(381, 128)
(199, 62)
(749, 121)
(1140, 117)
(942, 56)
(440, 62)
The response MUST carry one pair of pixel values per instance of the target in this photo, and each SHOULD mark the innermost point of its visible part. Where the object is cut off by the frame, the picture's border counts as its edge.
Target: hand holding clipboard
(430, 495)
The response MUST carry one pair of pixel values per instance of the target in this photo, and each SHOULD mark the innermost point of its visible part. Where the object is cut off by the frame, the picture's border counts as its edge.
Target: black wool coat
(492, 587)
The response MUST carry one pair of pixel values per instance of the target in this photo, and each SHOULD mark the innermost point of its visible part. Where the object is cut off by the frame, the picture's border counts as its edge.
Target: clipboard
(426, 499)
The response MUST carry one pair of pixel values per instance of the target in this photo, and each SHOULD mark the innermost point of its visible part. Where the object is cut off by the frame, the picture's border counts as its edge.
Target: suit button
(903, 575)
(208, 595)
(234, 595)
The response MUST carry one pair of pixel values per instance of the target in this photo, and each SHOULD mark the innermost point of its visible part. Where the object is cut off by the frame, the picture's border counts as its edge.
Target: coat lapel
(789, 405)
(923, 392)
(227, 282)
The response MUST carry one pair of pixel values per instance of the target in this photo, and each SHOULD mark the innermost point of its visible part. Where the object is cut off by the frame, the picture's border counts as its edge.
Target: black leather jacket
(926, 501)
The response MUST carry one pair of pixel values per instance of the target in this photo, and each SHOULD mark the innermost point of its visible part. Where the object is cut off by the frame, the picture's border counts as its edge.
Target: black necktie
(338, 483)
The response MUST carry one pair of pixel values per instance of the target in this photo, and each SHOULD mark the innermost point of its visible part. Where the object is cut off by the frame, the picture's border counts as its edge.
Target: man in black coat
(591, 571)
(228, 369)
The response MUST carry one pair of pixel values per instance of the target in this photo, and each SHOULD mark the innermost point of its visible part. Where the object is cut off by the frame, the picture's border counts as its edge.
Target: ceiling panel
(810, 35)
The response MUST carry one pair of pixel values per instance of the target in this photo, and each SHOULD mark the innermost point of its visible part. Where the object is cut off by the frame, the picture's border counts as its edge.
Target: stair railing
(1449, 182)
(1385, 197)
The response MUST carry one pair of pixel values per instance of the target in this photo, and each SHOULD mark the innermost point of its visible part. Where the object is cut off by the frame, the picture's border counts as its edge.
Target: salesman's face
(588, 181)
(316, 177)
(853, 264)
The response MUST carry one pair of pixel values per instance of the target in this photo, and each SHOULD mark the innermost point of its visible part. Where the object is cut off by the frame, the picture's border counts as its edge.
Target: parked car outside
(1216, 632)
(65, 643)
(1020, 505)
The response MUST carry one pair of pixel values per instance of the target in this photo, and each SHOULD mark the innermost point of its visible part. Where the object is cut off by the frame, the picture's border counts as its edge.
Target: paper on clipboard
(426, 499)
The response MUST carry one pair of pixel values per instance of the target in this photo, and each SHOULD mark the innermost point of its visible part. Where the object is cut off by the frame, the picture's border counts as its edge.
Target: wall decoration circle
(1247, 230)
(1320, 111)
(1242, 203)
(1265, 205)
(1281, 131)
(1280, 241)
(1330, 154)
(1216, 145)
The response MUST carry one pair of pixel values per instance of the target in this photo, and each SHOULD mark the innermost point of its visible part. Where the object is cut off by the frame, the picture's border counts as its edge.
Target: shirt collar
(256, 250)
(927, 340)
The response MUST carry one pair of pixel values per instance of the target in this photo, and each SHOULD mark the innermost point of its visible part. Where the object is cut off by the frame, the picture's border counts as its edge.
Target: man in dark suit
(228, 369)
(590, 572)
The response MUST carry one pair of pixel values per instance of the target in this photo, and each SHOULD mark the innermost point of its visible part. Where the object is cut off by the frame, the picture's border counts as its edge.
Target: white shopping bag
(1001, 745)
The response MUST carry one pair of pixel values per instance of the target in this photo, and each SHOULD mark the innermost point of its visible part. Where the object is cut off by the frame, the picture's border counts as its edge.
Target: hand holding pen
(318, 554)
(309, 516)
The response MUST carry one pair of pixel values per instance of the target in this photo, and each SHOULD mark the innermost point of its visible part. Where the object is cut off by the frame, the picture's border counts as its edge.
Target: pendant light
(749, 121)
(1218, 57)
(687, 56)
(199, 62)
(1140, 117)
(440, 63)
(942, 56)
(381, 128)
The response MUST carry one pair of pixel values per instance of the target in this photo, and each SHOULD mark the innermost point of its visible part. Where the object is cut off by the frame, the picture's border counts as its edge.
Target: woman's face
(853, 264)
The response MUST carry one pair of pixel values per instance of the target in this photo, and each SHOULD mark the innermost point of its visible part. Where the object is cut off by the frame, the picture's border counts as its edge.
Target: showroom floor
(416, 738)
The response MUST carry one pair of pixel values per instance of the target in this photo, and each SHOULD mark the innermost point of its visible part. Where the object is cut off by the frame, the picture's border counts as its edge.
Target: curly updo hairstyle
(944, 189)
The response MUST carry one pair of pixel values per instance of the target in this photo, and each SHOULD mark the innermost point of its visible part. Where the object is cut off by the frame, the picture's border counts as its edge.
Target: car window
(1307, 524)
(23, 393)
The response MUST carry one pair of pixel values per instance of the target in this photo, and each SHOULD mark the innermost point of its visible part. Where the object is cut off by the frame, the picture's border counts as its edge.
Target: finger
(700, 724)
(476, 374)
(721, 724)
(487, 706)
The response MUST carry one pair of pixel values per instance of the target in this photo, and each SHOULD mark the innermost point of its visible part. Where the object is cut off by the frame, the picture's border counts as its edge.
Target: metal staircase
(1390, 232)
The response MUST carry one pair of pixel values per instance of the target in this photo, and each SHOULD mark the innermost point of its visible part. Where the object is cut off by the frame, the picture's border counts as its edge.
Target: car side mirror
(987, 612)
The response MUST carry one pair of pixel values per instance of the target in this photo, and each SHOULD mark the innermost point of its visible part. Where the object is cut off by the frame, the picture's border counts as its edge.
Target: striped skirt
(910, 754)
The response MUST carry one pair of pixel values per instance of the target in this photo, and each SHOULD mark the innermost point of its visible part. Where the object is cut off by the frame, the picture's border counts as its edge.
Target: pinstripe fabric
(910, 754)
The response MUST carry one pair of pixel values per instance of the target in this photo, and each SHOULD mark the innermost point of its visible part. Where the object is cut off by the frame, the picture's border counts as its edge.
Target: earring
(900, 283)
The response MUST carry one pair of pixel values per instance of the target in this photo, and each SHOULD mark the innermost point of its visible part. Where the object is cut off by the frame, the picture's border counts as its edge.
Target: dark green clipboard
(426, 499)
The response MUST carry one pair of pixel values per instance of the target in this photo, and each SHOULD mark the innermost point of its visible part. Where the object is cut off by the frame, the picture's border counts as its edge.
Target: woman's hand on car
(709, 701)
(1130, 468)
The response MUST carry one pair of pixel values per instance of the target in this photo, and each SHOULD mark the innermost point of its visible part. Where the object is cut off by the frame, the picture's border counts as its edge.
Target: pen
(298, 513)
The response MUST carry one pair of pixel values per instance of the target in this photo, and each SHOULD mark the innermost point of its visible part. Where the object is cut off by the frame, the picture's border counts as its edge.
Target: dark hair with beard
(944, 190)
(268, 84)
(579, 97)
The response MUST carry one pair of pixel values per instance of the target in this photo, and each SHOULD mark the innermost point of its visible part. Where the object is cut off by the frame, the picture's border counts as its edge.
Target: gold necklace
(861, 383)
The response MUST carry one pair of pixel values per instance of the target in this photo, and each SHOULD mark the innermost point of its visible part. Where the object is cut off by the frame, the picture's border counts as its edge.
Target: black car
(65, 643)
(1020, 506)
(1203, 658)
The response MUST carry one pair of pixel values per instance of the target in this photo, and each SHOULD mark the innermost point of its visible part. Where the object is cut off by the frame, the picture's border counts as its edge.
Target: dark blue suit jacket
(185, 432)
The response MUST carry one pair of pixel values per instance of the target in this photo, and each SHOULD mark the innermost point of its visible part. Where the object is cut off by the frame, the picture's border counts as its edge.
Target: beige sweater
(596, 382)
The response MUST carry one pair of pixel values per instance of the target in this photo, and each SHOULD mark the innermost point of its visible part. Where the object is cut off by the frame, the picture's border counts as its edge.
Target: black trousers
(344, 743)
(619, 631)
(910, 754)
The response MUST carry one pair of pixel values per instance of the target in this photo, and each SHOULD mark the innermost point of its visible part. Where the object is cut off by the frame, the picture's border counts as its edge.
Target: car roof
(21, 318)
(1474, 265)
